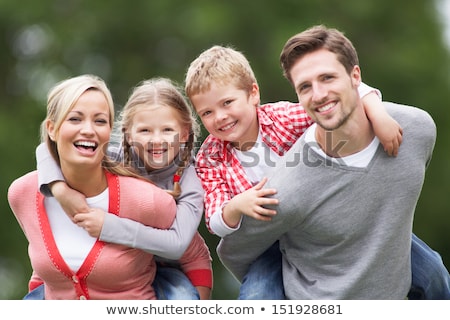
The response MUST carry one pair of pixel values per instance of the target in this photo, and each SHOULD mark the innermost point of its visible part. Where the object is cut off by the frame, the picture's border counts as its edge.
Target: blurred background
(403, 47)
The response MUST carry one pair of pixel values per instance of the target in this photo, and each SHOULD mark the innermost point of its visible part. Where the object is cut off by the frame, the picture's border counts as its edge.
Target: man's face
(327, 92)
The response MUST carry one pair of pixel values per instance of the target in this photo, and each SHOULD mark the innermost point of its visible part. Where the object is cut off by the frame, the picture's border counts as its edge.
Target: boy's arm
(250, 203)
(385, 127)
(217, 192)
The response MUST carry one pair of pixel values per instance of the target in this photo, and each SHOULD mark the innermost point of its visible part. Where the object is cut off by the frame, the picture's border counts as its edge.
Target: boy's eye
(204, 114)
(227, 102)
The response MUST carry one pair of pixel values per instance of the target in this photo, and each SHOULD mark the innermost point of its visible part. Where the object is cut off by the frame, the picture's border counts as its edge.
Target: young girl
(158, 136)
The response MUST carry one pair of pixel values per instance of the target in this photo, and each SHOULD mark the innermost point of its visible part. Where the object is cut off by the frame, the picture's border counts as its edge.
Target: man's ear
(355, 75)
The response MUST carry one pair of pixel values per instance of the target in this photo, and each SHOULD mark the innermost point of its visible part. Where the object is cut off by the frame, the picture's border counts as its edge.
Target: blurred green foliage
(400, 43)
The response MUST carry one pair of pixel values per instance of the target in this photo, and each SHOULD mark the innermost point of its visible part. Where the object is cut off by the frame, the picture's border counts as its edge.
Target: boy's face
(229, 114)
(325, 89)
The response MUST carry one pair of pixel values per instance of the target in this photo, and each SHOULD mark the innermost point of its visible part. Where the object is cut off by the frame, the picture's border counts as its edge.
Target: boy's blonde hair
(221, 65)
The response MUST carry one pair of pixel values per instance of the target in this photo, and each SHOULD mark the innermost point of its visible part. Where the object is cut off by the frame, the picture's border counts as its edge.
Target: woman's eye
(101, 121)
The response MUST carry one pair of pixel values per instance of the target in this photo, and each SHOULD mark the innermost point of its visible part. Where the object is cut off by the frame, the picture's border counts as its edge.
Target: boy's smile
(229, 113)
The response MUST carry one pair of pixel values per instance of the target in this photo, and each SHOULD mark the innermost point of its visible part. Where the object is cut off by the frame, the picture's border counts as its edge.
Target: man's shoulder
(415, 122)
(405, 111)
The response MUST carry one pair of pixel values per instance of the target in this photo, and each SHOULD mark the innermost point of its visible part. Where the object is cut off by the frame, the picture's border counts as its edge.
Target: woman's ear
(51, 130)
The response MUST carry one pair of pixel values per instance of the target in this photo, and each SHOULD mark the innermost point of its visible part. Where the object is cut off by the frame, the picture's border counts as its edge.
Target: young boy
(245, 141)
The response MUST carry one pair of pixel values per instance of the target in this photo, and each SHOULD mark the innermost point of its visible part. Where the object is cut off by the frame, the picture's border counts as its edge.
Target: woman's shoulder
(23, 187)
(136, 188)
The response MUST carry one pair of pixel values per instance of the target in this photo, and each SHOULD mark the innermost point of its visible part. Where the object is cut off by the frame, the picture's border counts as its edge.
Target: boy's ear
(255, 98)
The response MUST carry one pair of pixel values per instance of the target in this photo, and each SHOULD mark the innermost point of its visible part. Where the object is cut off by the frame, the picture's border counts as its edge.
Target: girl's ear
(51, 129)
(185, 135)
(126, 136)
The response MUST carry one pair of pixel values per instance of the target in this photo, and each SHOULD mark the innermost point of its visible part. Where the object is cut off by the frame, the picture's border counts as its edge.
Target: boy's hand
(92, 221)
(251, 203)
(71, 201)
(390, 134)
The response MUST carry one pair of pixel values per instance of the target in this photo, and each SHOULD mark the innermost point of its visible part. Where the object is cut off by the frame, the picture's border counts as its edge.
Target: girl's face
(156, 134)
(84, 134)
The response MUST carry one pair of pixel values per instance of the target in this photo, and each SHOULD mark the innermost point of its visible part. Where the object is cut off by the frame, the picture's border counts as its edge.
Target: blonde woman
(71, 263)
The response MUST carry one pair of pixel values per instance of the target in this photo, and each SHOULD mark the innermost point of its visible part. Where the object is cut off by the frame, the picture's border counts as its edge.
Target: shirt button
(75, 279)
(82, 298)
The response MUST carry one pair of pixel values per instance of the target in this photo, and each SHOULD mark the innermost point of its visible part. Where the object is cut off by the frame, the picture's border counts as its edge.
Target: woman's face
(84, 134)
(156, 134)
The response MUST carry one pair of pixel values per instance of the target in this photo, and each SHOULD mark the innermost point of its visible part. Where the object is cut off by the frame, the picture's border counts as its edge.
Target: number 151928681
(306, 309)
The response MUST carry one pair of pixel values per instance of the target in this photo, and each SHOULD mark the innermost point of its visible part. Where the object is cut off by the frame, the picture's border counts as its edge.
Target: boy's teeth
(228, 126)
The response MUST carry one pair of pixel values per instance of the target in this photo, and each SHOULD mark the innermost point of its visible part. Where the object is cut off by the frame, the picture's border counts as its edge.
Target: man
(345, 212)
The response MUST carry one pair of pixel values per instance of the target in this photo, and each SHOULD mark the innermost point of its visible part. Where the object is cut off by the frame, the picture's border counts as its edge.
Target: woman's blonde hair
(161, 92)
(61, 99)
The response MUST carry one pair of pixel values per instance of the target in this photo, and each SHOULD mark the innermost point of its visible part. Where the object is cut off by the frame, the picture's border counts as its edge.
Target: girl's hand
(71, 201)
(92, 221)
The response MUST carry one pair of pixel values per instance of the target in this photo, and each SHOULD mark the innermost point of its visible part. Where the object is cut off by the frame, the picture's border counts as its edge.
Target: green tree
(400, 43)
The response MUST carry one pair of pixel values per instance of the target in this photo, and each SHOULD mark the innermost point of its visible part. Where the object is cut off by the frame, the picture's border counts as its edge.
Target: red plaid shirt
(221, 172)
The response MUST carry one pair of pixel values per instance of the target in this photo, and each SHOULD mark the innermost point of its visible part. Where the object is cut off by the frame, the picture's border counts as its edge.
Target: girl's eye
(206, 113)
(168, 130)
(74, 119)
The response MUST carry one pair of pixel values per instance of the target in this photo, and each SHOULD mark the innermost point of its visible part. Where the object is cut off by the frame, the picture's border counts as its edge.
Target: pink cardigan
(110, 271)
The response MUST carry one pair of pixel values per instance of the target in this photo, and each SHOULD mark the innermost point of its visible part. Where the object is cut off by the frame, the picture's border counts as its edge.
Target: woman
(71, 263)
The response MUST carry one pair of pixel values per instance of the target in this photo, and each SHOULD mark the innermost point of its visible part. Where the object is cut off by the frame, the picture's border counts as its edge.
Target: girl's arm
(170, 244)
(385, 127)
(51, 183)
(196, 264)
